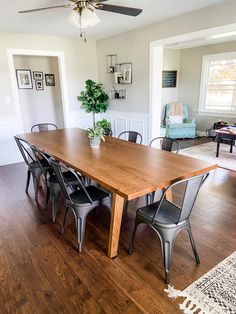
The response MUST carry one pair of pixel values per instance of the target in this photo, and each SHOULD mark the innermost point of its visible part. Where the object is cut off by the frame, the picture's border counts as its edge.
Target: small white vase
(94, 142)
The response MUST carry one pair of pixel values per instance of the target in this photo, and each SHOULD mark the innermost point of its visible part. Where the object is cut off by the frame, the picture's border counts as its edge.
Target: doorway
(194, 39)
(42, 102)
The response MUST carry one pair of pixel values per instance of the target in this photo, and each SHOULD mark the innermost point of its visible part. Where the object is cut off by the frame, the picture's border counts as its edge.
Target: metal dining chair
(81, 201)
(133, 136)
(52, 183)
(165, 143)
(41, 127)
(33, 166)
(168, 218)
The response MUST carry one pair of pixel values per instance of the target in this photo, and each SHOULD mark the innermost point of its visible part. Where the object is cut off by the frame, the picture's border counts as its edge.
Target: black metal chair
(41, 127)
(108, 132)
(167, 219)
(33, 166)
(81, 201)
(52, 183)
(133, 136)
(165, 143)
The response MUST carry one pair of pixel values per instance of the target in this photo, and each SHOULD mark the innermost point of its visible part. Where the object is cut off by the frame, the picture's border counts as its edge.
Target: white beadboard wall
(9, 152)
(121, 121)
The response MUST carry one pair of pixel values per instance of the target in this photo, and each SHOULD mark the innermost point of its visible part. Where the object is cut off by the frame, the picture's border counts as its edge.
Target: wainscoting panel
(120, 121)
(9, 152)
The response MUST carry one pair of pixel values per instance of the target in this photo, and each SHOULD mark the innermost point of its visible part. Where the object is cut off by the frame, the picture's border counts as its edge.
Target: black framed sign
(169, 79)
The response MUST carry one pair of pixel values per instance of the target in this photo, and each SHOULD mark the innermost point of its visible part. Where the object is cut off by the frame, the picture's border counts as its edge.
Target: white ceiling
(54, 22)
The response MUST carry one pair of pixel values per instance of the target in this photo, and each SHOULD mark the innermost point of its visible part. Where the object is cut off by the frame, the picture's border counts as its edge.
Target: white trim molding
(120, 121)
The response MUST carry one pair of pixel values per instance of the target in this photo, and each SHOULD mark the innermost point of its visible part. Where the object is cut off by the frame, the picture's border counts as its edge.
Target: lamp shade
(87, 18)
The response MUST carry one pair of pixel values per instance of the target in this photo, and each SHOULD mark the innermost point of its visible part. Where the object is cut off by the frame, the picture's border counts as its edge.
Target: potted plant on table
(95, 135)
(94, 99)
(106, 125)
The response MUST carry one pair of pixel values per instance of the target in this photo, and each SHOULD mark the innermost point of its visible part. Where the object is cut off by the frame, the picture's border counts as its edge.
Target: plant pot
(94, 141)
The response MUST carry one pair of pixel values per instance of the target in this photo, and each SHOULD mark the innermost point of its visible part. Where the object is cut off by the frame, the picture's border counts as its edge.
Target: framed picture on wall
(37, 75)
(50, 79)
(39, 85)
(24, 79)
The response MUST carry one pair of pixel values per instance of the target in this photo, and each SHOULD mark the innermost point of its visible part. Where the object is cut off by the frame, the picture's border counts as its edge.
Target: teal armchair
(179, 125)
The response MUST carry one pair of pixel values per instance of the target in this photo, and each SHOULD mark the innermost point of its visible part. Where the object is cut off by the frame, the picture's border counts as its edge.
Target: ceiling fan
(84, 15)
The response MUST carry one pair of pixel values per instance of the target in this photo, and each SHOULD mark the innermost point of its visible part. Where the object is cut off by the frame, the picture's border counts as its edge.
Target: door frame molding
(62, 74)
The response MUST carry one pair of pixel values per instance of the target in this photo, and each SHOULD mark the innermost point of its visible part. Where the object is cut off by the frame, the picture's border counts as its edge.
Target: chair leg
(36, 185)
(55, 198)
(193, 244)
(47, 197)
(167, 241)
(137, 222)
(81, 222)
(27, 182)
(64, 221)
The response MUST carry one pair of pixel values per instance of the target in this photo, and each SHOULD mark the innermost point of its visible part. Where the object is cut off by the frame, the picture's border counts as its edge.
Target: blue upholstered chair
(179, 125)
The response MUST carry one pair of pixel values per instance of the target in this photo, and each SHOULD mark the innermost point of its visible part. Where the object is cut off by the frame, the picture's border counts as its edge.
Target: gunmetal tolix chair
(33, 166)
(167, 218)
(165, 143)
(41, 127)
(80, 201)
(52, 183)
(133, 136)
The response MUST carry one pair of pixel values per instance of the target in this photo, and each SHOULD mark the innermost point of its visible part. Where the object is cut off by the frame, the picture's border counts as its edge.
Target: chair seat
(80, 198)
(35, 164)
(167, 214)
(69, 177)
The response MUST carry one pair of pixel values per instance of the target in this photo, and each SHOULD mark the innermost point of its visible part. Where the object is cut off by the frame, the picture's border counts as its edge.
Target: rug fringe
(174, 293)
(190, 307)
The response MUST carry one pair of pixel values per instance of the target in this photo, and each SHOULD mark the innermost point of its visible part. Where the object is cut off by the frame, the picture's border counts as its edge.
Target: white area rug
(213, 293)
(207, 152)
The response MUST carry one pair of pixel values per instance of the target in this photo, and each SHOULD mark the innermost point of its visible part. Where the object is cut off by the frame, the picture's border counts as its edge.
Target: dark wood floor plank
(41, 272)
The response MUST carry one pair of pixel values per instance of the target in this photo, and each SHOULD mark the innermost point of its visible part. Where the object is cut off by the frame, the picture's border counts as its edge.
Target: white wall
(80, 63)
(38, 106)
(190, 77)
(171, 62)
(134, 46)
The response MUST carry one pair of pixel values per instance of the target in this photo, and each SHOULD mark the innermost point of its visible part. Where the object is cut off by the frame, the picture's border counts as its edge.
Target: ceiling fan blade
(120, 10)
(47, 8)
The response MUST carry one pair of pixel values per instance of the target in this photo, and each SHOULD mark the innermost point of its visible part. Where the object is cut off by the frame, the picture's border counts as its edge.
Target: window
(218, 85)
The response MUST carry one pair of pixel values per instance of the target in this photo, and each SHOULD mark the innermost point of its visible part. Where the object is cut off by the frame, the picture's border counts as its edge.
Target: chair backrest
(25, 150)
(108, 132)
(58, 168)
(191, 189)
(165, 143)
(39, 157)
(133, 136)
(169, 111)
(41, 127)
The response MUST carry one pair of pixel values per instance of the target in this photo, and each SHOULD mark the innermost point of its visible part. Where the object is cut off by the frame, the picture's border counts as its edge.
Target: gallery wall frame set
(24, 79)
(39, 85)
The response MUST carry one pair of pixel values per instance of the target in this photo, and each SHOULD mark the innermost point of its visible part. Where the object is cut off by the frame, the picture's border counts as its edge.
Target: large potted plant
(94, 99)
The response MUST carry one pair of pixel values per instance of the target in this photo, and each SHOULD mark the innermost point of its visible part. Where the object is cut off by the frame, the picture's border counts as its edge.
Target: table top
(128, 169)
(227, 130)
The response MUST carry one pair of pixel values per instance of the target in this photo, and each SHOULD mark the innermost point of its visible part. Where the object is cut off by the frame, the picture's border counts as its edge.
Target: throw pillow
(176, 119)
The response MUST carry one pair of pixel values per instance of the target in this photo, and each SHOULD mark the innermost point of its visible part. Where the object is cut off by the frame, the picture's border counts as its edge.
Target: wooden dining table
(127, 169)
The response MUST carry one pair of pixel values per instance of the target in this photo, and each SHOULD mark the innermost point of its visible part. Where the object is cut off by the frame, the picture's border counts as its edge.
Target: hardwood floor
(41, 272)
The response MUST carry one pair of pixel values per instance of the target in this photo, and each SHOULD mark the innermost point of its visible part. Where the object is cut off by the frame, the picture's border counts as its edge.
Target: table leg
(231, 146)
(169, 195)
(116, 217)
(218, 147)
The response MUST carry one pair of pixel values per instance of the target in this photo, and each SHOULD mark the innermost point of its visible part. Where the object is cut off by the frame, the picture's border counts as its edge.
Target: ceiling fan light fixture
(84, 17)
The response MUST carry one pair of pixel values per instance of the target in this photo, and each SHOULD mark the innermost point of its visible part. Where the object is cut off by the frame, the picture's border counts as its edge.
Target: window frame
(206, 60)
